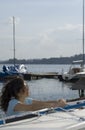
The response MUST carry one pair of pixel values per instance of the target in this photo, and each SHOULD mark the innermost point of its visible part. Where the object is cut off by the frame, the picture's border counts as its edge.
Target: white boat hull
(58, 120)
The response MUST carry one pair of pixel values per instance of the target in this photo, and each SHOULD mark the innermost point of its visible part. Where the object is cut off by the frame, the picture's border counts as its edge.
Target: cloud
(62, 34)
(68, 32)
(56, 42)
(70, 27)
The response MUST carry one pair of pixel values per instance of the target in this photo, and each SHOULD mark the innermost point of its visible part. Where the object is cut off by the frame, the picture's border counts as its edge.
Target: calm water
(49, 89)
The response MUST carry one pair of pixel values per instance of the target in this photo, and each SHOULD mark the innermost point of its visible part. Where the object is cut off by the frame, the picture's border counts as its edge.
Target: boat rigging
(14, 38)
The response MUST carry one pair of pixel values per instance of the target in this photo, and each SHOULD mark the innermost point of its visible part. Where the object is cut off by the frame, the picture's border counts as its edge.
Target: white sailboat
(75, 73)
(15, 69)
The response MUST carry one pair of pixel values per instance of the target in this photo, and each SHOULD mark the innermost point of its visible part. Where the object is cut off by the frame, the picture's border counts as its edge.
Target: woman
(13, 98)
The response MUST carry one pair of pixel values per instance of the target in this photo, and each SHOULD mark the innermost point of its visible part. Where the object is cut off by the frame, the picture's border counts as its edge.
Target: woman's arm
(58, 103)
(37, 105)
(32, 107)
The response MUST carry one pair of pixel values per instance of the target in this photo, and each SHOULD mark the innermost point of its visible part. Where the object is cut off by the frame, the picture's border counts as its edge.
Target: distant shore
(53, 60)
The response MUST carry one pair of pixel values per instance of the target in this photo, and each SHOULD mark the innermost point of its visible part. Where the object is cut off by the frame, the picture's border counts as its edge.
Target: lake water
(49, 89)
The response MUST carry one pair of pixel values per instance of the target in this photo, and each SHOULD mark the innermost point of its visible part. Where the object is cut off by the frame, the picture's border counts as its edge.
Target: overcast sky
(44, 28)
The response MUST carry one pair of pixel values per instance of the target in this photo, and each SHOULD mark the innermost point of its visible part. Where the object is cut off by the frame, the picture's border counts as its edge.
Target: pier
(32, 76)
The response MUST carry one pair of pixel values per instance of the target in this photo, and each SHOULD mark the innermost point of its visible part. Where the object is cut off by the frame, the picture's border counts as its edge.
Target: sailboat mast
(14, 39)
(83, 33)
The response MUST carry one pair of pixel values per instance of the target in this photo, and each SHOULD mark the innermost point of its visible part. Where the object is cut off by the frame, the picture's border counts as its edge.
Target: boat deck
(58, 121)
(66, 119)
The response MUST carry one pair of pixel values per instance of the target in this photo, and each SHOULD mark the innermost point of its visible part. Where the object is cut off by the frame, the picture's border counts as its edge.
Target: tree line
(52, 60)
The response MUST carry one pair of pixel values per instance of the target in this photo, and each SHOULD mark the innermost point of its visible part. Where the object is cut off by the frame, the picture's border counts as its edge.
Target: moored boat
(74, 73)
(9, 72)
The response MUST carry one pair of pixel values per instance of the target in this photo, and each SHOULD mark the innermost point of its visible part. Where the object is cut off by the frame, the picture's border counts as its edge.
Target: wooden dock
(32, 76)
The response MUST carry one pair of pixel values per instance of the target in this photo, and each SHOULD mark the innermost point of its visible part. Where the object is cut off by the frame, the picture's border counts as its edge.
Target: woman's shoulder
(14, 101)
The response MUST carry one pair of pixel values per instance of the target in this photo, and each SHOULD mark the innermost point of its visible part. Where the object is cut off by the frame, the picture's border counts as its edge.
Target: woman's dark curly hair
(11, 89)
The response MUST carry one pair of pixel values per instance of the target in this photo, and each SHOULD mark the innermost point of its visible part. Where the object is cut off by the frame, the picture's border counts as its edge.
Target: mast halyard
(83, 34)
(14, 39)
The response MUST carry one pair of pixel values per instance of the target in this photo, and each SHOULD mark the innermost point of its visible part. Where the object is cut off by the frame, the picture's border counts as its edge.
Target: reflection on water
(51, 89)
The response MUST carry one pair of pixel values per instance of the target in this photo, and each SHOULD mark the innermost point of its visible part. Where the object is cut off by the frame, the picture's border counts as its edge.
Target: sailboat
(75, 72)
(15, 69)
